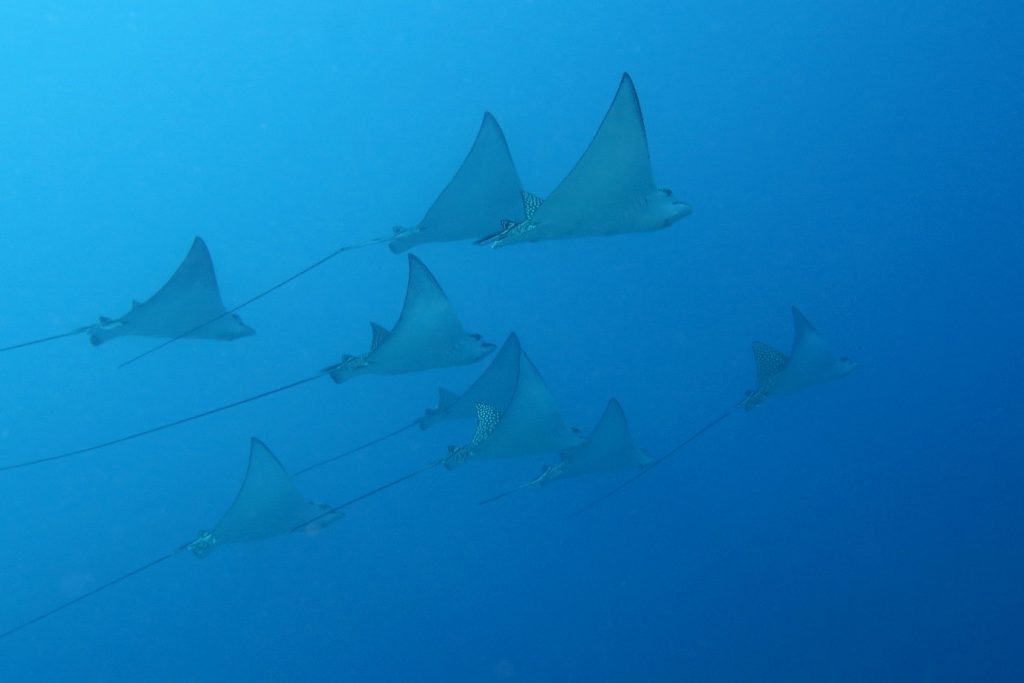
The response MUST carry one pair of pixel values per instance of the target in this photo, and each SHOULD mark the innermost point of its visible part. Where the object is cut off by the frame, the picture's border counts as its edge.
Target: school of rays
(609, 191)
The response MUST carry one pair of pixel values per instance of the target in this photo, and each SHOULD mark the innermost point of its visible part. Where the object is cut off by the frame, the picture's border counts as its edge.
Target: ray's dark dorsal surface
(609, 191)
(811, 362)
(267, 505)
(484, 190)
(428, 335)
(188, 305)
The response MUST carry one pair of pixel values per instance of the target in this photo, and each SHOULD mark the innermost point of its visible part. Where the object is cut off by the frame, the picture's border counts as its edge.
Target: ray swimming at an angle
(609, 191)
(187, 305)
(483, 191)
(428, 335)
(427, 314)
(810, 362)
(609, 447)
(528, 422)
(267, 505)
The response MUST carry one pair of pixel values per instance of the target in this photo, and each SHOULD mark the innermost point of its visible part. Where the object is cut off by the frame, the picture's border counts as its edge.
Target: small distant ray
(493, 387)
(611, 189)
(529, 422)
(189, 299)
(484, 190)
(267, 505)
(810, 362)
(609, 447)
(188, 305)
(428, 335)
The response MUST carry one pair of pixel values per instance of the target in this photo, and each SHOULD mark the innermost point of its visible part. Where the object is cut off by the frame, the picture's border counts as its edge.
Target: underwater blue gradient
(861, 160)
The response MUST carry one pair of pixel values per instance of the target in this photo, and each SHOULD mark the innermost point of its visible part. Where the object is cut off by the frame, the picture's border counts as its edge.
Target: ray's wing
(614, 171)
(494, 386)
(426, 313)
(610, 446)
(192, 287)
(531, 423)
(268, 503)
(484, 190)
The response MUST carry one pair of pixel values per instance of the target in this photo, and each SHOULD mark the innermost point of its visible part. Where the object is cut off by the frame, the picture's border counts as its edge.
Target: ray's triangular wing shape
(530, 422)
(428, 335)
(484, 190)
(494, 386)
(189, 298)
(426, 312)
(268, 504)
(609, 447)
(194, 283)
(616, 168)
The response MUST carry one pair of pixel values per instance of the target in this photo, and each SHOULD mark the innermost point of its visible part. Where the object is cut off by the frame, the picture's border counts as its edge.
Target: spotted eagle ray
(610, 191)
(267, 505)
(810, 362)
(188, 305)
(484, 190)
(609, 447)
(428, 335)
(529, 422)
(494, 386)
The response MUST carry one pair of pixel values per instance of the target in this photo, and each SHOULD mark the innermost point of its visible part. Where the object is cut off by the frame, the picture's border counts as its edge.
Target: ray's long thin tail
(371, 492)
(509, 492)
(162, 427)
(253, 299)
(42, 340)
(94, 591)
(356, 449)
(675, 449)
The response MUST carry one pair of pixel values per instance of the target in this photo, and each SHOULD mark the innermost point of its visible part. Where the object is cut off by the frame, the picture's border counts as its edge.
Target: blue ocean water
(859, 160)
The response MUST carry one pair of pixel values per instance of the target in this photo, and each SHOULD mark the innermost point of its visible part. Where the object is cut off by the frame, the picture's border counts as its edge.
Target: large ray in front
(611, 189)
(810, 362)
(428, 335)
(529, 423)
(190, 298)
(268, 504)
(485, 190)
(494, 386)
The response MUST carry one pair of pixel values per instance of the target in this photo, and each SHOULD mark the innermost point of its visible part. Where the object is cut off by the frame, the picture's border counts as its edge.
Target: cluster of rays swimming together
(610, 191)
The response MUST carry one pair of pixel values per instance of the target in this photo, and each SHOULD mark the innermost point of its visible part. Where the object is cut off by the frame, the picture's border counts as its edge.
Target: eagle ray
(609, 191)
(187, 305)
